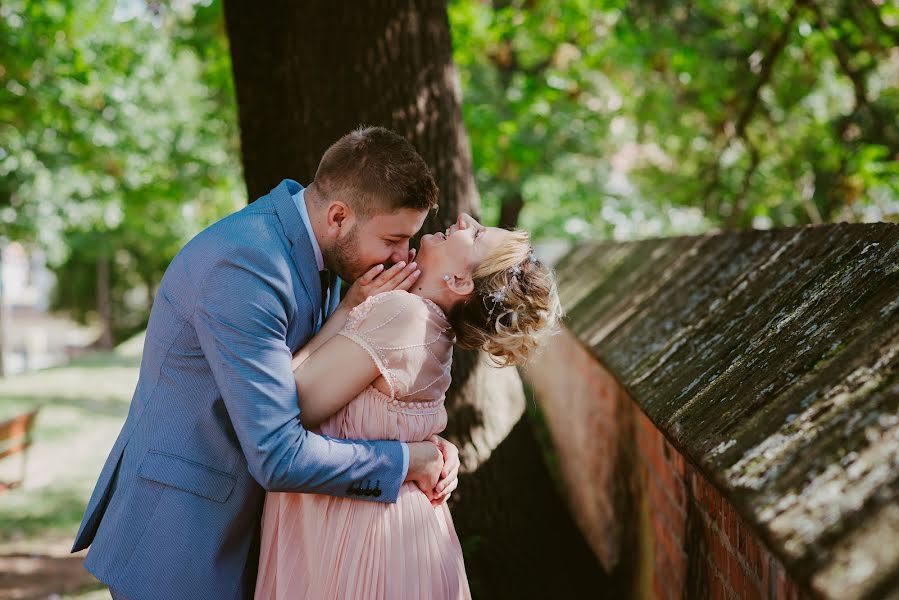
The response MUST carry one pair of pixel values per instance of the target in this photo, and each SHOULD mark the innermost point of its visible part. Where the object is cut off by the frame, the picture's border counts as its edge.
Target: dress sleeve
(409, 340)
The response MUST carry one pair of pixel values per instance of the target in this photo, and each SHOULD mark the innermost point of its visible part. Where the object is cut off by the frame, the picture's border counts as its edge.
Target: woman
(380, 370)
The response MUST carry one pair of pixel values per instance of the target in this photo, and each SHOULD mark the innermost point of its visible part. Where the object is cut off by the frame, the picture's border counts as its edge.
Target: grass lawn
(82, 407)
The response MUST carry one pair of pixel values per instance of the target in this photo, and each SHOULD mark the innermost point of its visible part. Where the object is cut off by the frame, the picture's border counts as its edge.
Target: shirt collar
(299, 200)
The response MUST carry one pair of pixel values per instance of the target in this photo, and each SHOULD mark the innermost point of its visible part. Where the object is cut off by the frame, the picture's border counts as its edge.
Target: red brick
(720, 554)
(659, 495)
(674, 486)
(730, 528)
(733, 570)
(679, 567)
(725, 512)
(663, 504)
(674, 553)
(677, 528)
(649, 439)
(742, 533)
(710, 502)
(716, 589)
(657, 529)
(755, 591)
(754, 557)
(698, 486)
(657, 465)
(663, 470)
(644, 473)
(678, 464)
(699, 493)
(679, 493)
(743, 579)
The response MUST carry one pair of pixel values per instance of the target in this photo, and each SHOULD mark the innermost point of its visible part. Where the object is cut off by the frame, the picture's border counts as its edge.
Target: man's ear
(463, 285)
(338, 218)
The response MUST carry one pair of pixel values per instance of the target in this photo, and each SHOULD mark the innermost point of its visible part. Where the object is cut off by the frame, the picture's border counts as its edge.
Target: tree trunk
(2, 318)
(306, 73)
(151, 292)
(510, 210)
(104, 303)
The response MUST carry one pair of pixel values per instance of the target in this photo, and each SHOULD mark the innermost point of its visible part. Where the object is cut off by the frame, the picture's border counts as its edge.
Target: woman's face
(460, 250)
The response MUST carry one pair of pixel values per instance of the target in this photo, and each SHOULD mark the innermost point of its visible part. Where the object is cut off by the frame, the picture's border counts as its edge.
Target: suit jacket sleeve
(241, 322)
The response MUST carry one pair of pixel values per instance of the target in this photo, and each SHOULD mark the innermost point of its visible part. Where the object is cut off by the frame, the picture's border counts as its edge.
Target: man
(214, 420)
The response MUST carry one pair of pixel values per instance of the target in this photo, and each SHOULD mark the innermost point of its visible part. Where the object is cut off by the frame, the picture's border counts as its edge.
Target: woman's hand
(400, 276)
(449, 475)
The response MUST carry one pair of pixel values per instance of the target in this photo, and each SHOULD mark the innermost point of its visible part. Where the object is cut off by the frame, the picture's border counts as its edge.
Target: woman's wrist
(343, 308)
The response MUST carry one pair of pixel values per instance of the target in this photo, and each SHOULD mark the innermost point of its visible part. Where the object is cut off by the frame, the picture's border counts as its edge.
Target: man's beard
(345, 260)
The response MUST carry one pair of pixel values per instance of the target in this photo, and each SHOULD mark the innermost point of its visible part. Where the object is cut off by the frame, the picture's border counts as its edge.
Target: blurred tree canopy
(117, 142)
(118, 135)
(660, 117)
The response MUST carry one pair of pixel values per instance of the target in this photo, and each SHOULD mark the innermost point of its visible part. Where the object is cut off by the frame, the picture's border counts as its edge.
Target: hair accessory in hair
(497, 297)
(500, 295)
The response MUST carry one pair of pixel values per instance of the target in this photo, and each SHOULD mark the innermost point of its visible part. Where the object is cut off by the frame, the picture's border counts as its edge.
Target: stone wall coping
(770, 358)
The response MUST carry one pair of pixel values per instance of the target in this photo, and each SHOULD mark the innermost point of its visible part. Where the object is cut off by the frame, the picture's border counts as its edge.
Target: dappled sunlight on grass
(82, 408)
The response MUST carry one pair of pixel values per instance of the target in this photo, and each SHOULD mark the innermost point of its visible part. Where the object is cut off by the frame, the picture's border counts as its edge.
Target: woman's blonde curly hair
(514, 307)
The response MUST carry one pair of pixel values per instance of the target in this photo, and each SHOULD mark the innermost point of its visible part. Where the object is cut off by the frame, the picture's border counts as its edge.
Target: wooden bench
(15, 438)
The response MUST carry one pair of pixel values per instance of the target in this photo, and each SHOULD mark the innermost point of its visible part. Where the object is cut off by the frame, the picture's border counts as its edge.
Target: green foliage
(659, 117)
(118, 140)
(118, 137)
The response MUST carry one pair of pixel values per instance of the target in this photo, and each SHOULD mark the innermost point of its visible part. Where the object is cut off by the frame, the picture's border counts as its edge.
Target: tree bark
(2, 318)
(510, 210)
(104, 303)
(305, 74)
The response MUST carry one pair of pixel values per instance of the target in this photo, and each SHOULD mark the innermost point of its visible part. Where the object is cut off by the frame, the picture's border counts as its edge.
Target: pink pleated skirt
(322, 547)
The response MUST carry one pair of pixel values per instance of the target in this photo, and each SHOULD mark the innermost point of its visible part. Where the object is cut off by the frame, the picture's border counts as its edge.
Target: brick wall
(648, 513)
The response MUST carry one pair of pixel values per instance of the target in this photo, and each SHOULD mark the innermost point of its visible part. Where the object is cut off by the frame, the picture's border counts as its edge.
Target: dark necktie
(325, 277)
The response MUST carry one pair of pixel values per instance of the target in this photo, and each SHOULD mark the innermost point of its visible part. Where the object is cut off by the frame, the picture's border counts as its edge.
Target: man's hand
(449, 475)
(400, 276)
(425, 466)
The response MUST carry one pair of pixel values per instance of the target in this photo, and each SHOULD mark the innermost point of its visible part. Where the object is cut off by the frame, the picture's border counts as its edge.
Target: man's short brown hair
(373, 169)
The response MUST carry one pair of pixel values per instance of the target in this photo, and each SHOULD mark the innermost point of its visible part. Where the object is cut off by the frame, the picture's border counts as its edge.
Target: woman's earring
(446, 277)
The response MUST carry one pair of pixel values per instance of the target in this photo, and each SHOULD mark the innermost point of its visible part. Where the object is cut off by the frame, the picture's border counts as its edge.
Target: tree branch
(844, 60)
(767, 67)
(765, 74)
(856, 76)
(733, 221)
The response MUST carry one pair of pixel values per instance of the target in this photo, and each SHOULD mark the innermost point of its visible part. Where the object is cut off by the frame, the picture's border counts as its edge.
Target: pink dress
(322, 547)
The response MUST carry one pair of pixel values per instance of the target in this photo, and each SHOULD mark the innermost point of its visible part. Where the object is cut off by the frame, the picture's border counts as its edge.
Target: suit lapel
(301, 247)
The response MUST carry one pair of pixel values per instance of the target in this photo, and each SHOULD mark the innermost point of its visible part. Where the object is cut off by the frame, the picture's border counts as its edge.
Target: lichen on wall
(771, 360)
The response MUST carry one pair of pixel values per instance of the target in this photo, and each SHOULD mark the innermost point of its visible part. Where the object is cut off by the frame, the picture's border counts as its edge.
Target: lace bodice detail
(409, 339)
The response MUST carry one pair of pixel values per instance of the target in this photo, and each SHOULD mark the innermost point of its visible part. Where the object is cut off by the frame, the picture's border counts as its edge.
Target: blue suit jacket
(214, 420)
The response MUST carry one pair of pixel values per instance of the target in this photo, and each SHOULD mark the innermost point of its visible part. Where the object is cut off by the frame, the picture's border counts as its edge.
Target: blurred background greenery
(118, 134)
(586, 118)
